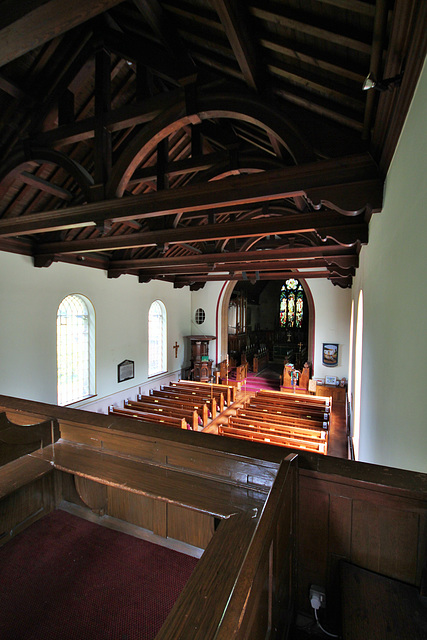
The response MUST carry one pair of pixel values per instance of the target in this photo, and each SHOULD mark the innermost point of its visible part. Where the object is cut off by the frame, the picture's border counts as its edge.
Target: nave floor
(337, 431)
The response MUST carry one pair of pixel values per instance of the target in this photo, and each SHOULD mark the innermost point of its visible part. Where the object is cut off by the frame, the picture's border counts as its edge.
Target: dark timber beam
(236, 266)
(322, 257)
(27, 25)
(252, 275)
(44, 185)
(235, 22)
(123, 118)
(166, 32)
(349, 184)
(102, 147)
(326, 225)
(292, 258)
(235, 26)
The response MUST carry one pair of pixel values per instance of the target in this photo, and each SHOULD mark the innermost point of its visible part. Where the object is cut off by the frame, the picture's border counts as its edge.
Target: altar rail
(372, 516)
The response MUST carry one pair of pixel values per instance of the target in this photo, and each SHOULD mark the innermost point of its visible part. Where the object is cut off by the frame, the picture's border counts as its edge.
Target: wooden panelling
(189, 526)
(93, 494)
(137, 509)
(385, 540)
(22, 507)
(379, 528)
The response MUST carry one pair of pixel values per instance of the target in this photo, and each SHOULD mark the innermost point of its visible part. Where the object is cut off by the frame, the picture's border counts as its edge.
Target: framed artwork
(331, 380)
(125, 370)
(330, 354)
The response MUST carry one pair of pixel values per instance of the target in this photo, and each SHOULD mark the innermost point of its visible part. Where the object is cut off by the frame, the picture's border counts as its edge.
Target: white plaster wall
(332, 307)
(393, 427)
(207, 299)
(29, 299)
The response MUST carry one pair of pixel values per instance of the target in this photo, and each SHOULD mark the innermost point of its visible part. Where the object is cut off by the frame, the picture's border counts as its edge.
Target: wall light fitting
(370, 82)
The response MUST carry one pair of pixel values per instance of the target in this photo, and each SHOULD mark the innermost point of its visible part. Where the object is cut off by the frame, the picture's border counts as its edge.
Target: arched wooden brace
(245, 107)
(246, 164)
(25, 157)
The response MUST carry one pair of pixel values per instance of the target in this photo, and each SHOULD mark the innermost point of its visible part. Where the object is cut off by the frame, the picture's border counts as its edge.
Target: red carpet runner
(64, 578)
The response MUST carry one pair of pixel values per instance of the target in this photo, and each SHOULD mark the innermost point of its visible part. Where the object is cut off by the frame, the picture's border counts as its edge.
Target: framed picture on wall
(330, 354)
(125, 370)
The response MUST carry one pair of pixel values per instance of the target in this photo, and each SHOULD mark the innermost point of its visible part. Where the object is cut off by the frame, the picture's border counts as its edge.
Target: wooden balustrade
(371, 516)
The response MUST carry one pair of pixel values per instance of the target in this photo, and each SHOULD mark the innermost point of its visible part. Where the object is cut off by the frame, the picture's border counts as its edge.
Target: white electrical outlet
(317, 596)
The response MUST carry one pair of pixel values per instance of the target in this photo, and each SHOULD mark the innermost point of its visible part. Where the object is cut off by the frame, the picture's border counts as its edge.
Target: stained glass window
(291, 309)
(157, 332)
(75, 349)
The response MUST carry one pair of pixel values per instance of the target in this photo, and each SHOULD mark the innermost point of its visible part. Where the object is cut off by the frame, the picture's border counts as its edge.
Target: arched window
(291, 304)
(358, 376)
(75, 349)
(157, 332)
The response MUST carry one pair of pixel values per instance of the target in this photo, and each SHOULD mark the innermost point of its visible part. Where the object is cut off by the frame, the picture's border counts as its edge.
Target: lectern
(201, 366)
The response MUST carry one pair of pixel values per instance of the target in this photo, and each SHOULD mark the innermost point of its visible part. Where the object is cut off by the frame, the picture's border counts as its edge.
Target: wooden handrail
(238, 555)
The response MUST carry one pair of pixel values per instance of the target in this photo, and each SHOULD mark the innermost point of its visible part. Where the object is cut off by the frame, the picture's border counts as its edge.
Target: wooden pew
(274, 408)
(298, 399)
(295, 431)
(272, 437)
(204, 391)
(26, 483)
(169, 392)
(191, 416)
(250, 413)
(228, 390)
(260, 361)
(142, 416)
(201, 407)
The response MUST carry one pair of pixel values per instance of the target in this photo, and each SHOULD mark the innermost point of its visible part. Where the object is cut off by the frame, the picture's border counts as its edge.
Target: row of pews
(253, 509)
(285, 419)
(184, 404)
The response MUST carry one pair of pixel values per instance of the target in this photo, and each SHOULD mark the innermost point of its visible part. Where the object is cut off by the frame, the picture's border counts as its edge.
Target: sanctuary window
(291, 304)
(157, 333)
(75, 349)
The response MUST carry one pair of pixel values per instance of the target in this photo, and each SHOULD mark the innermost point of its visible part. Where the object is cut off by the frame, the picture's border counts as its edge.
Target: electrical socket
(317, 596)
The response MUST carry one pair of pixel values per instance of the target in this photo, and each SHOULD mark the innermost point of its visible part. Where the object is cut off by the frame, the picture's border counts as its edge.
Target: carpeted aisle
(266, 379)
(64, 578)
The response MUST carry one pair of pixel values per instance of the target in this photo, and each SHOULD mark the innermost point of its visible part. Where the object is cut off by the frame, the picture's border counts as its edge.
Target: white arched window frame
(157, 333)
(75, 349)
(358, 376)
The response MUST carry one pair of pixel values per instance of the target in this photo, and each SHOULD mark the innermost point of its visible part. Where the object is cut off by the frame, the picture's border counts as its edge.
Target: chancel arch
(307, 349)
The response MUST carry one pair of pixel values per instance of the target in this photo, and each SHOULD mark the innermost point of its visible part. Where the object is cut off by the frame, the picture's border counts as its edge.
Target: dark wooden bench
(207, 495)
(142, 416)
(19, 470)
(280, 418)
(267, 436)
(285, 410)
(297, 399)
(191, 416)
(198, 392)
(260, 361)
(169, 392)
(292, 431)
(228, 391)
(193, 405)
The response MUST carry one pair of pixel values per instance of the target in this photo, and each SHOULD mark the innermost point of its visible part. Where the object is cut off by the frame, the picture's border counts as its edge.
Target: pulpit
(201, 365)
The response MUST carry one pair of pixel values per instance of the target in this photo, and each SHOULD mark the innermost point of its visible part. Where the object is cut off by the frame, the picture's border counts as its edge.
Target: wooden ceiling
(200, 140)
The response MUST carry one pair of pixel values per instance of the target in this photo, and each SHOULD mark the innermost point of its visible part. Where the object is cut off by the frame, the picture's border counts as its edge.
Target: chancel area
(212, 336)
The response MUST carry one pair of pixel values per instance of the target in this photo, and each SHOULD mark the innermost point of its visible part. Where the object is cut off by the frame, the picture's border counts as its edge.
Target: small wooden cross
(176, 347)
(300, 345)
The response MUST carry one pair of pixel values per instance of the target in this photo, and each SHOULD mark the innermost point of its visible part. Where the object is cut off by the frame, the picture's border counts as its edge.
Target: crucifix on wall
(176, 347)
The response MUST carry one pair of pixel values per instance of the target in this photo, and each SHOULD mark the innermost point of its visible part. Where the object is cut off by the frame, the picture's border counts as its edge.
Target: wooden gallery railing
(235, 499)
(236, 502)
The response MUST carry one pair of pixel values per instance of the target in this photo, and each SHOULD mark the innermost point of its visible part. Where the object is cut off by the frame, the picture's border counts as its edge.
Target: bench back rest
(17, 440)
